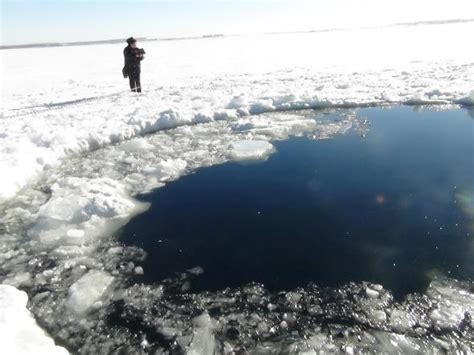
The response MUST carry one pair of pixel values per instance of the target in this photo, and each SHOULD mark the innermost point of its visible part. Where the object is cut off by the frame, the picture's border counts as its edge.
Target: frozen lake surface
(388, 207)
(258, 161)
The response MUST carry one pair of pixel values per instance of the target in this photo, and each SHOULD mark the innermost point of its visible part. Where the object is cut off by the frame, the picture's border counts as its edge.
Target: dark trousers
(134, 78)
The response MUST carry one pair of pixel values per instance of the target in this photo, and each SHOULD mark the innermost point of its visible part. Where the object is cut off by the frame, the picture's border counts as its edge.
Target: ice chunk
(377, 315)
(202, 321)
(467, 100)
(293, 297)
(19, 333)
(89, 292)
(453, 305)
(136, 145)
(75, 233)
(197, 270)
(237, 102)
(371, 293)
(251, 150)
(168, 169)
(19, 279)
(401, 320)
(308, 352)
(263, 105)
(203, 342)
(81, 209)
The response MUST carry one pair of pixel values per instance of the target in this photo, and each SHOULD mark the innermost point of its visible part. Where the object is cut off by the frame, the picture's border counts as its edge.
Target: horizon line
(218, 35)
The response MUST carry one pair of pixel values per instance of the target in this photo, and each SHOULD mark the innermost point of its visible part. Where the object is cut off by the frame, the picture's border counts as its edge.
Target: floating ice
(88, 292)
(82, 209)
(251, 150)
(19, 333)
(451, 306)
(401, 320)
(371, 293)
(203, 342)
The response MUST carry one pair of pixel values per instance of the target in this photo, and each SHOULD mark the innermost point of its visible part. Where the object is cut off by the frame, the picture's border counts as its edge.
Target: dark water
(391, 207)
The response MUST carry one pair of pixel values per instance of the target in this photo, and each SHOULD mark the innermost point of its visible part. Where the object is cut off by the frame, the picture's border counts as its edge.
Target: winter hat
(131, 40)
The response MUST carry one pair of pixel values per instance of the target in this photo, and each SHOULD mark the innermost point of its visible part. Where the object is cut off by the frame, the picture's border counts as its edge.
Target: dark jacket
(132, 62)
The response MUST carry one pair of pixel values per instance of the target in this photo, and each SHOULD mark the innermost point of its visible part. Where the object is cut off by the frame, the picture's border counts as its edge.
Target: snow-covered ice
(19, 332)
(64, 106)
(76, 148)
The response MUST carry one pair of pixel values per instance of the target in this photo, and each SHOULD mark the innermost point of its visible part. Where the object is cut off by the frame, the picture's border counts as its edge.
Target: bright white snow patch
(19, 333)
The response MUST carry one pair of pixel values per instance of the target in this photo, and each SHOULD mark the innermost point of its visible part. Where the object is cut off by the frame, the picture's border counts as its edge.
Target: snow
(19, 333)
(65, 106)
(89, 292)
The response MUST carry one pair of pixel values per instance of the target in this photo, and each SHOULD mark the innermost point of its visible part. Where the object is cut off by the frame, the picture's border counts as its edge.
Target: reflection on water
(391, 206)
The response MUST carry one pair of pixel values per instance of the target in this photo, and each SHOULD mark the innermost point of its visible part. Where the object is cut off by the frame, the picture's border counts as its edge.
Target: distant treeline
(67, 44)
(435, 22)
(107, 41)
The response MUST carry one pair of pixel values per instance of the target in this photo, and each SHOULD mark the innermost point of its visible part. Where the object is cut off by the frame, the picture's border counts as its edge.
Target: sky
(39, 21)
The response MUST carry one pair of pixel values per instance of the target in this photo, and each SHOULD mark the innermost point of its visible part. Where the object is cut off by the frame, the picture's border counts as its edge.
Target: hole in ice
(386, 208)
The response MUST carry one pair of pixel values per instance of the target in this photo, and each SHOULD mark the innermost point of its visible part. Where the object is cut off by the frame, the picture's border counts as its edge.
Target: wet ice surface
(84, 286)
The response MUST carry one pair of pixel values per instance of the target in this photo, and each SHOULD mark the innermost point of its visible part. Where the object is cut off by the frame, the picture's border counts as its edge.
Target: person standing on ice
(133, 57)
